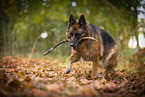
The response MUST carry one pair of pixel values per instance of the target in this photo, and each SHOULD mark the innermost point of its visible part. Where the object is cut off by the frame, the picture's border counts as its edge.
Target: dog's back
(107, 40)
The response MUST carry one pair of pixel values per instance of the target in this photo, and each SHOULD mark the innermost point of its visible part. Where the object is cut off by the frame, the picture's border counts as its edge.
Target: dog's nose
(71, 44)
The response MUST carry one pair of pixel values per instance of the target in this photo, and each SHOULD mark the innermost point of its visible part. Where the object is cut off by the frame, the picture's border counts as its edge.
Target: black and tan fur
(103, 52)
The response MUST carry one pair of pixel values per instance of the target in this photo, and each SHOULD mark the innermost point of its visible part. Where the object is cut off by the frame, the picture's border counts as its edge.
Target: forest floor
(44, 78)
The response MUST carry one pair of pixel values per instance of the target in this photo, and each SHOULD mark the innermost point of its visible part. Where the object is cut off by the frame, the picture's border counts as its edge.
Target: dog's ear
(82, 20)
(72, 20)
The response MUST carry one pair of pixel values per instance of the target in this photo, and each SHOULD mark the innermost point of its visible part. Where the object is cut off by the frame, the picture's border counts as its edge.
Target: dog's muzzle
(72, 44)
(75, 46)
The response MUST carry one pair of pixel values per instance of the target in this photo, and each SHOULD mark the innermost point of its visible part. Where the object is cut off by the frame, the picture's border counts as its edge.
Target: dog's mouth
(80, 40)
(75, 45)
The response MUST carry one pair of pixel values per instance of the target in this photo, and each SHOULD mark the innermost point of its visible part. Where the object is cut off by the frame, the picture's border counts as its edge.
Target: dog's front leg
(95, 68)
(71, 59)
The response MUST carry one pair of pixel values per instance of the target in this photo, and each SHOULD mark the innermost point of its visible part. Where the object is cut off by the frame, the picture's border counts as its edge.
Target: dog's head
(76, 29)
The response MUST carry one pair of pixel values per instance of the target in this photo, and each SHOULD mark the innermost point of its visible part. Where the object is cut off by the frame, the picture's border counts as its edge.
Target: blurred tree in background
(22, 21)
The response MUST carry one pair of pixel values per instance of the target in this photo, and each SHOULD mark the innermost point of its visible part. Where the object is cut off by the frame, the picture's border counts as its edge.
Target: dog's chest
(88, 51)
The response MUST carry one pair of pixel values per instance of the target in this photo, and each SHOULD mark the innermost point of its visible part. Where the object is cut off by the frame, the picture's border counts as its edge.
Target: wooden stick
(63, 41)
(86, 38)
(67, 40)
(34, 46)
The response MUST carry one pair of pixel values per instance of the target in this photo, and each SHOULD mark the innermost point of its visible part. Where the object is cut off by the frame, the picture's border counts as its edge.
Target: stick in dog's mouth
(63, 41)
(67, 40)
(86, 38)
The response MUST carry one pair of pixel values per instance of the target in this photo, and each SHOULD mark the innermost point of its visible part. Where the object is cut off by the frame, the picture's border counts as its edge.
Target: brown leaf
(39, 93)
(28, 79)
(9, 70)
(14, 82)
(88, 92)
(53, 87)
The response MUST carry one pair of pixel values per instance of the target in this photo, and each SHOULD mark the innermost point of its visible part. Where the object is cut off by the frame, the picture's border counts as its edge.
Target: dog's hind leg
(71, 59)
(95, 68)
(111, 60)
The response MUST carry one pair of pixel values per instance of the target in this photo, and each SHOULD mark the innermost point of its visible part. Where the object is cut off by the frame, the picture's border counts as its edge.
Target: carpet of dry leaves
(44, 78)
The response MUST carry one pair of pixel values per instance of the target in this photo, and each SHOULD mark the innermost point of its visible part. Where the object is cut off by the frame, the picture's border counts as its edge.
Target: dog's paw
(101, 75)
(94, 76)
(67, 71)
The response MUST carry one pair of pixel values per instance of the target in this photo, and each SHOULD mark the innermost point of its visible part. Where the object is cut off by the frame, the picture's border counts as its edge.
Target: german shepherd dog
(103, 52)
